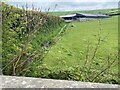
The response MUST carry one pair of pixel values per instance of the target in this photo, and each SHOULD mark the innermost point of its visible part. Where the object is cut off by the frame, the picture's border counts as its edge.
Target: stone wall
(29, 82)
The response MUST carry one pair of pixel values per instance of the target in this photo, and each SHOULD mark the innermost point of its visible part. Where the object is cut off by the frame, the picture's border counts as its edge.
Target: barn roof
(90, 14)
(71, 15)
(84, 14)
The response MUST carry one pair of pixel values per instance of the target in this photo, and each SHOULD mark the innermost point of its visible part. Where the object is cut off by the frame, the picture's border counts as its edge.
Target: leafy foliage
(24, 34)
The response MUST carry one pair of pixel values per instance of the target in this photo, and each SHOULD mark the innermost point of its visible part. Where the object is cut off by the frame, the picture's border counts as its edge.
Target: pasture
(80, 43)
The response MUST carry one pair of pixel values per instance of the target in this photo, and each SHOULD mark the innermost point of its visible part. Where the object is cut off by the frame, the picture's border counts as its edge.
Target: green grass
(70, 50)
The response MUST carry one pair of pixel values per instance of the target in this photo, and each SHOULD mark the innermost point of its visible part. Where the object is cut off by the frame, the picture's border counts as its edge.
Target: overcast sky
(67, 5)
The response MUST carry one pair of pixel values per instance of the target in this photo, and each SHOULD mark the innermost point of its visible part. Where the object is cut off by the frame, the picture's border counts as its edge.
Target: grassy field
(71, 49)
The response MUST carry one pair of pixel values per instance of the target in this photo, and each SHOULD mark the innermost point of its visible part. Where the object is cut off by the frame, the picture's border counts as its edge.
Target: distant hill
(99, 11)
(113, 12)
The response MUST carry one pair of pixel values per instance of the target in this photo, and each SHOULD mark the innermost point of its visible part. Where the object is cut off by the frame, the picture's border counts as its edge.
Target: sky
(66, 5)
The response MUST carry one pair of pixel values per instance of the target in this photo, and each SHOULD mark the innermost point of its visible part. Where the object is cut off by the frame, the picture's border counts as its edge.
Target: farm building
(83, 16)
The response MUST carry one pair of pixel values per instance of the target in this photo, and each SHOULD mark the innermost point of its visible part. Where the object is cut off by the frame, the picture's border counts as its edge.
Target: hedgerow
(24, 35)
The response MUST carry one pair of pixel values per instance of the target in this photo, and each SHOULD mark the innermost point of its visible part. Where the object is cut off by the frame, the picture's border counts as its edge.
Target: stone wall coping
(30, 82)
